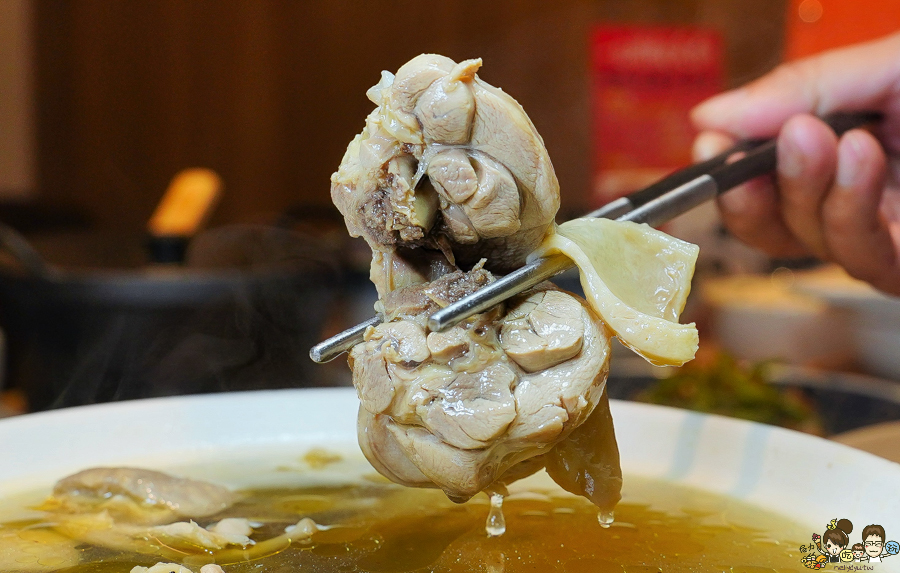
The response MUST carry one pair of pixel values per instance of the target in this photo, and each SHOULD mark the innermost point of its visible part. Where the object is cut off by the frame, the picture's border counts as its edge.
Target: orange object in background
(817, 25)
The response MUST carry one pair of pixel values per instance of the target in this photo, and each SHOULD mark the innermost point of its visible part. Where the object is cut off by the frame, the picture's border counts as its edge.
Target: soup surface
(369, 524)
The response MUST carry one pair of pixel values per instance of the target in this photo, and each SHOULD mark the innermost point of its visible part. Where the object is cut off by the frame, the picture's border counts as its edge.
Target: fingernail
(706, 145)
(790, 155)
(850, 159)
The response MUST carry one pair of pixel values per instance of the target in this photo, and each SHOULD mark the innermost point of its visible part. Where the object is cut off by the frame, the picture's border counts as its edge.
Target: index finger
(865, 76)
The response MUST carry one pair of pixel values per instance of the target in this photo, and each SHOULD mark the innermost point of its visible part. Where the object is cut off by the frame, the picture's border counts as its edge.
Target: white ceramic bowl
(874, 317)
(805, 478)
(758, 317)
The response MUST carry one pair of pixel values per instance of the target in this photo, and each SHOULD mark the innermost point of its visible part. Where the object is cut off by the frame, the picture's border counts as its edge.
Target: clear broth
(379, 527)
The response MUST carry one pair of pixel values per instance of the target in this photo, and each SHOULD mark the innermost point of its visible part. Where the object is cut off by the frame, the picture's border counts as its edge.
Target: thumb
(864, 76)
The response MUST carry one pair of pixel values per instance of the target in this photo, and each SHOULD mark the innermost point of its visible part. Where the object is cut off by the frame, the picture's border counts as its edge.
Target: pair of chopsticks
(667, 198)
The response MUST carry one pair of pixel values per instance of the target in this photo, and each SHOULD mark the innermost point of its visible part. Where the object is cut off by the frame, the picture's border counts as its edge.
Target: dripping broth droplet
(496, 523)
(605, 518)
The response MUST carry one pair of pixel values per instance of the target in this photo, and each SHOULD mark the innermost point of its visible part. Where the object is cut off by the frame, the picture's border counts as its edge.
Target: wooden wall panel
(269, 92)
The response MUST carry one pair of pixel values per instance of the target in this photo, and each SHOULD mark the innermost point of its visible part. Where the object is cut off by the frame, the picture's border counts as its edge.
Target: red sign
(644, 83)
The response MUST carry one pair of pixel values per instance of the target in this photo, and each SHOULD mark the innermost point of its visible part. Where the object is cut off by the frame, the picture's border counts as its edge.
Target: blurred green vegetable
(725, 387)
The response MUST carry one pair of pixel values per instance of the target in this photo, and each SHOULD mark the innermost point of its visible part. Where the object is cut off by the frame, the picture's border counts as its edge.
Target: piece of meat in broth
(446, 163)
(138, 495)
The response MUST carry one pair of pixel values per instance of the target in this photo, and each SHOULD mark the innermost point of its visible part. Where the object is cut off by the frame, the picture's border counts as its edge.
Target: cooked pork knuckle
(450, 185)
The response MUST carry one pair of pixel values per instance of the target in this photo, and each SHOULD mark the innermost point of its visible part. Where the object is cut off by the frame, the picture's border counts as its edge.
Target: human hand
(838, 199)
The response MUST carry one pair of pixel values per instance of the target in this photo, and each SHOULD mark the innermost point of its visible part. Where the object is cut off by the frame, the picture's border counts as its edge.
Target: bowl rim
(802, 477)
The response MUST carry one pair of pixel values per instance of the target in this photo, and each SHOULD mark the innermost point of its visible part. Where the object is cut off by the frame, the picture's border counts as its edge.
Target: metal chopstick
(653, 205)
(654, 212)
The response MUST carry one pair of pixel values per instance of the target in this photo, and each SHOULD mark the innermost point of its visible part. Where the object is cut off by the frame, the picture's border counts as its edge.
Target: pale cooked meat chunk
(460, 473)
(453, 174)
(392, 270)
(303, 529)
(385, 452)
(482, 188)
(405, 343)
(139, 495)
(172, 540)
(445, 346)
(425, 298)
(469, 413)
(445, 108)
(368, 363)
(543, 332)
(472, 409)
(161, 567)
(446, 163)
(232, 526)
(495, 207)
(189, 532)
